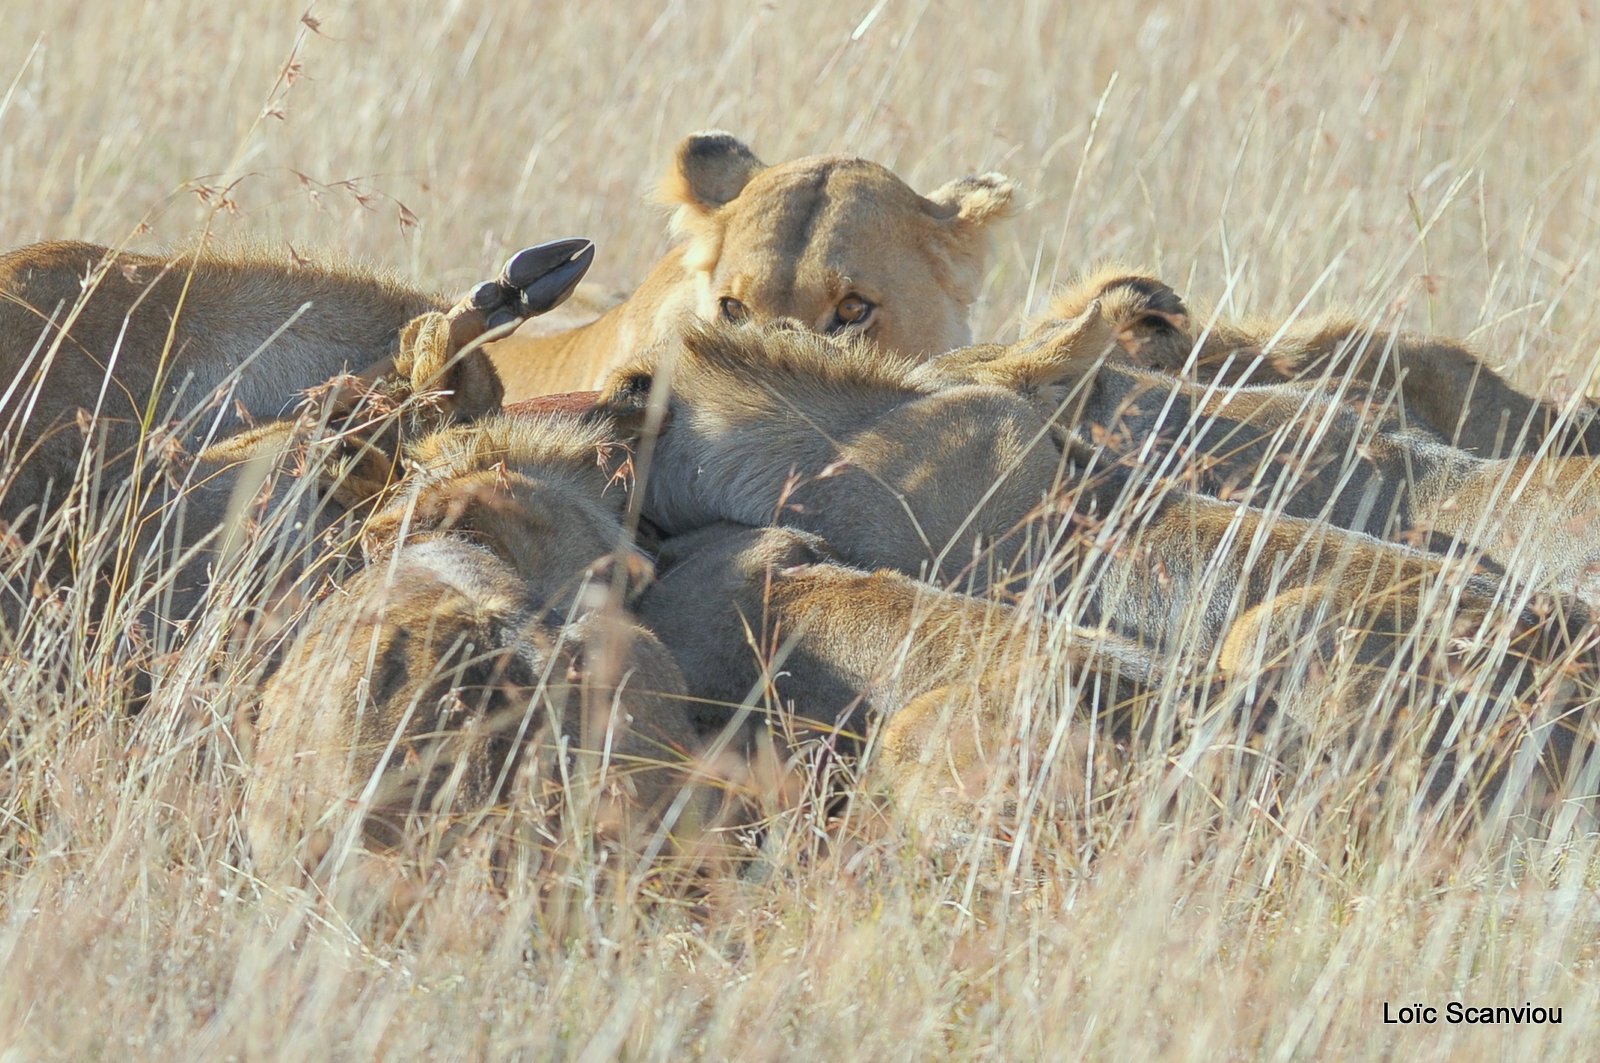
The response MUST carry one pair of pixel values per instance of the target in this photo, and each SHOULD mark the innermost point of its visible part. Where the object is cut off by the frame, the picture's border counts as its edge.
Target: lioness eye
(732, 309)
(852, 312)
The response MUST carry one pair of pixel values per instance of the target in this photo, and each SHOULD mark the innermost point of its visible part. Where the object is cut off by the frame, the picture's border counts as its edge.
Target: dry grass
(1434, 171)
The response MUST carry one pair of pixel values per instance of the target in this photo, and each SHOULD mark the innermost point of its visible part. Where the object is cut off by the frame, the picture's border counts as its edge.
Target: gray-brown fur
(1301, 448)
(1439, 384)
(777, 425)
(61, 340)
(895, 464)
(1465, 694)
(468, 645)
(202, 343)
(766, 617)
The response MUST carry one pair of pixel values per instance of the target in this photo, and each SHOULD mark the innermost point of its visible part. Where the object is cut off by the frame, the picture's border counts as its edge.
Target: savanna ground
(1436, 169)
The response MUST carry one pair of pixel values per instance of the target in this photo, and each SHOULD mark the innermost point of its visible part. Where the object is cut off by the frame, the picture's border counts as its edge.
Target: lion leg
(533, 281)
(939, 754)
(1147, 318)
(1287, 645)
(1465, 699)
(1539, 517)
(1083, 326)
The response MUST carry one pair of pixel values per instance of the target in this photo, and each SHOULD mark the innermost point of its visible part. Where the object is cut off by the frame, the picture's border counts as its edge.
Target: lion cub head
(835, 242)
(544, 493)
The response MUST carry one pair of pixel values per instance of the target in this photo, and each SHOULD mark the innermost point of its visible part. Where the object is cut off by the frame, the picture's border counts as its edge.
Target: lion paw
(1145, 316)
(1142, 311)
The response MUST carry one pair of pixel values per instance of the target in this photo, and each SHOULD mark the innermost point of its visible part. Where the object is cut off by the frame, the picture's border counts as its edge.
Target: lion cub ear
(627, 399)
(709, 170)
(977, 200)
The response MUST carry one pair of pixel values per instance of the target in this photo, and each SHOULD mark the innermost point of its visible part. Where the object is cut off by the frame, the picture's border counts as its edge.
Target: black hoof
(546, 274)
(503, 316)
(487, 296)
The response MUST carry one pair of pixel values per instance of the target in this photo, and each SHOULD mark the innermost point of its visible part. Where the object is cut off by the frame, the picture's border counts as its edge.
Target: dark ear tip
(976, 198)
(710, 143)
(1150, 301)
(811, 549)
(634, 386)
(625, 401)
(710, 170)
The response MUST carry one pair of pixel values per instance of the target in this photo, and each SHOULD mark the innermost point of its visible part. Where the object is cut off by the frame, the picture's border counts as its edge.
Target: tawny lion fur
(1439, 384)
(765, 616)
(123, 364)
(795, 240)
(957, 471)
(1305, 448)
(475, 643)
(898, 465)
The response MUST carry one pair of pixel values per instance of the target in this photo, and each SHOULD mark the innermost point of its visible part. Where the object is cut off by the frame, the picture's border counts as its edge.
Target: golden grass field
(1435, 169)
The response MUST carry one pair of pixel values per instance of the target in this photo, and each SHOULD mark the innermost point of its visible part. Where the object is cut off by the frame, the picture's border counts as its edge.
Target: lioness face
(837, 243)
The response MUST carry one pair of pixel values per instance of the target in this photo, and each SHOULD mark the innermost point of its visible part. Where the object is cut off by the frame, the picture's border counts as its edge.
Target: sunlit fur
(787, 241)
(1339, 450)
(897, 464)
(478, 641)
(768, 618)
(214, 348)
(1443, 386)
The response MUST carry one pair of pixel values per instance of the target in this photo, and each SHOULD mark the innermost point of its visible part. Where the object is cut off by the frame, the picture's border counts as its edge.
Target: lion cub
(479, 641)
(968, 483)
(1298, 448)
(894, 467)
(956, 471)
(960, 471)
(1439, 385)
(757, 615)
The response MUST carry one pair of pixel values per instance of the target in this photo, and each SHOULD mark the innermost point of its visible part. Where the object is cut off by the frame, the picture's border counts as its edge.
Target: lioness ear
(965, 212)
(709, 170)
(977, 200)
